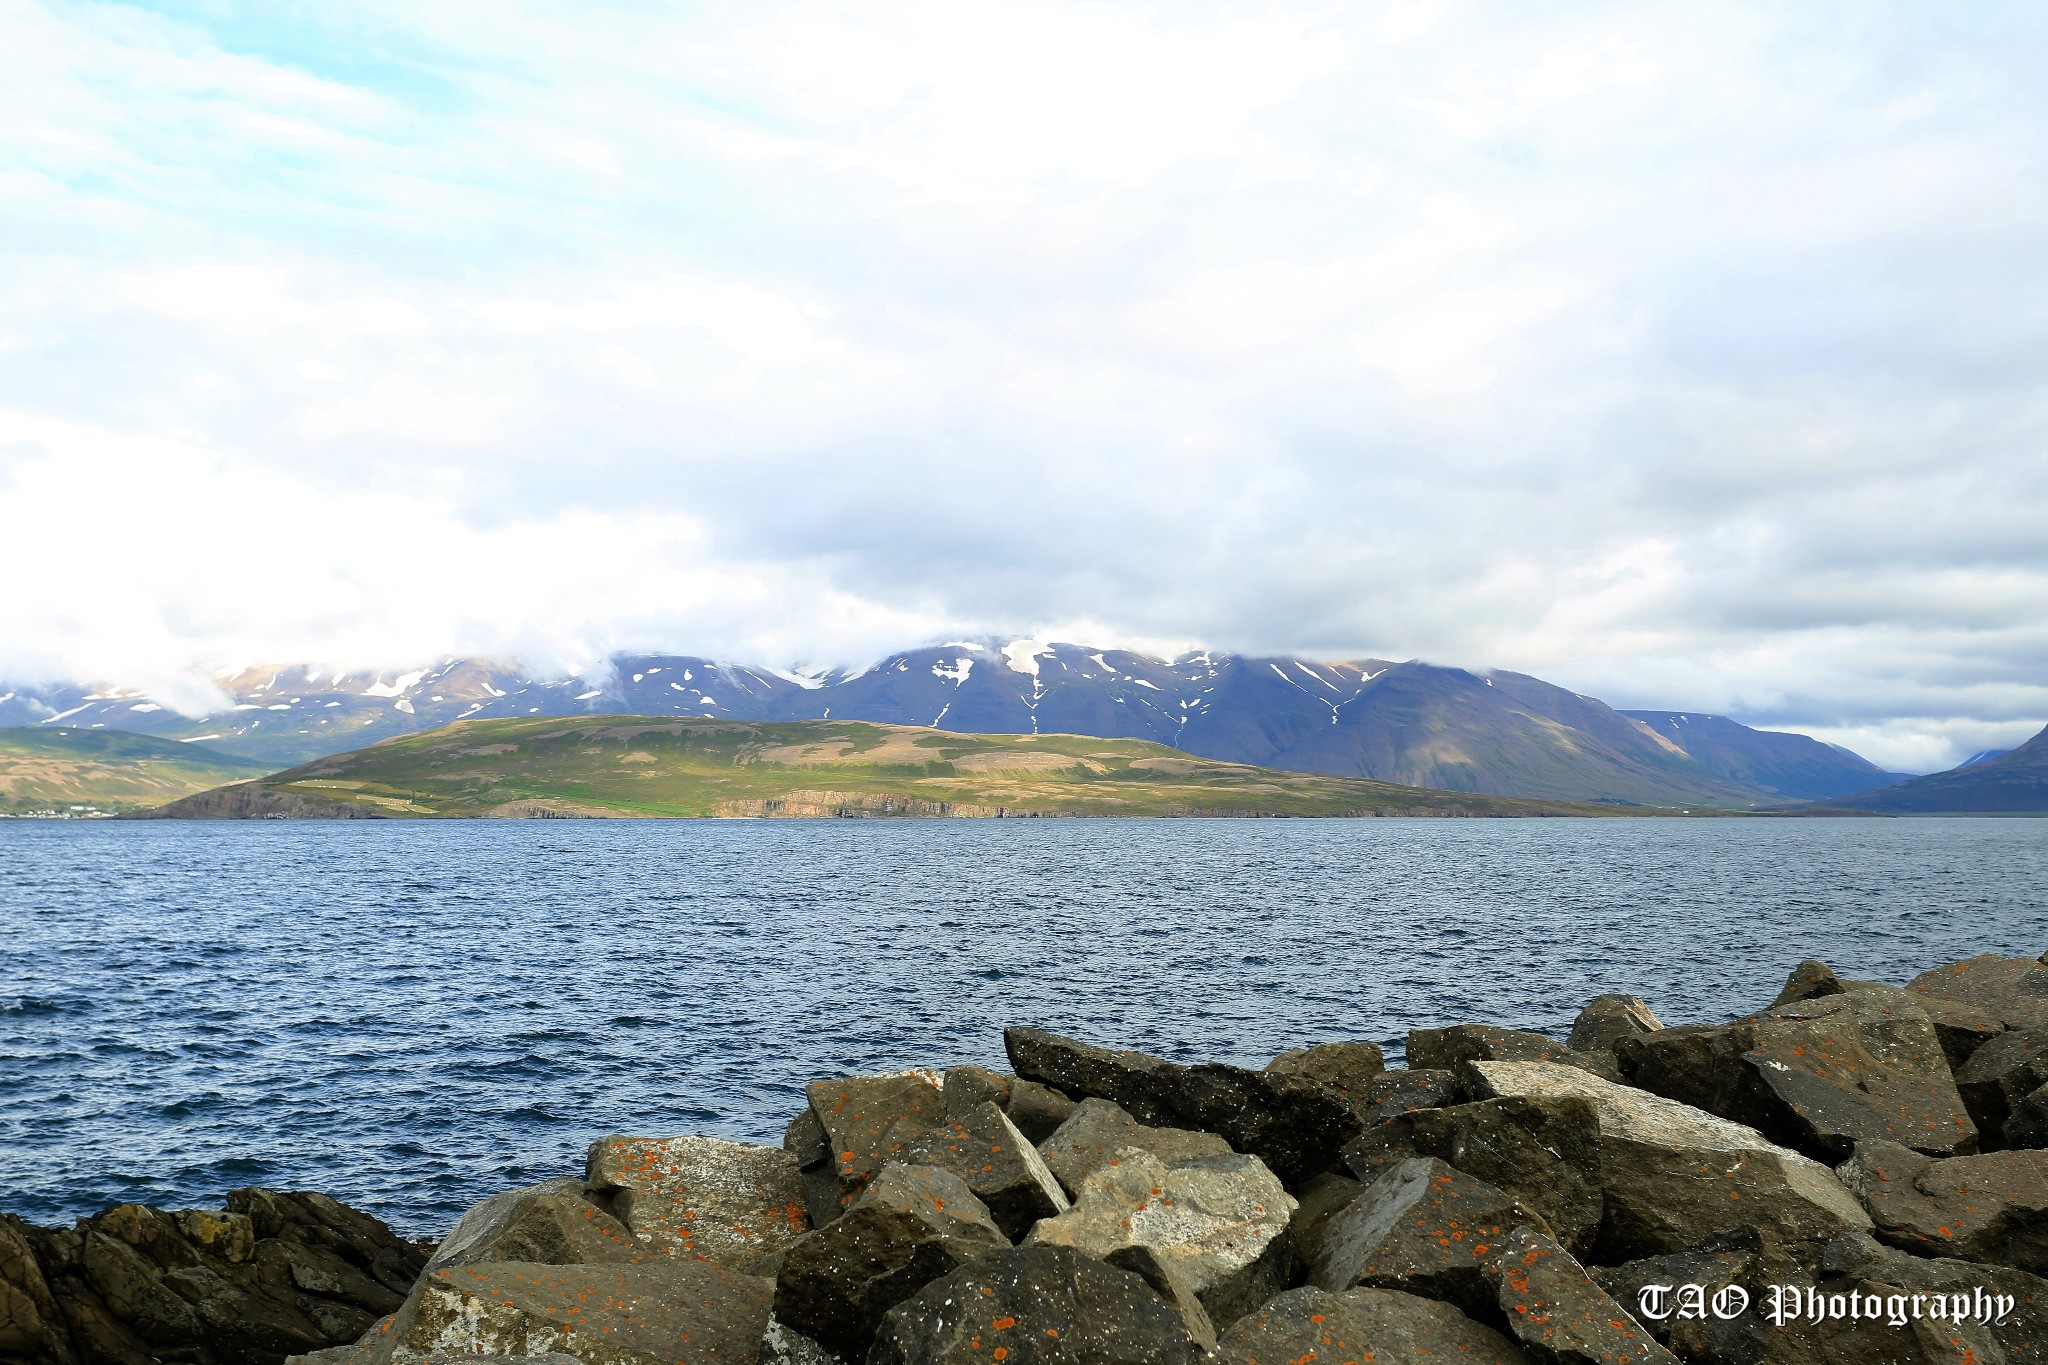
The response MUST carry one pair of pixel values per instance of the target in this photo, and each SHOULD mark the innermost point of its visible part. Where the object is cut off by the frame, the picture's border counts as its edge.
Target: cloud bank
(1688, 354)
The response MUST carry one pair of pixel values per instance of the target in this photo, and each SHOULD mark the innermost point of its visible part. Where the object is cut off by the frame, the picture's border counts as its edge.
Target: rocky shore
(1855, 1175)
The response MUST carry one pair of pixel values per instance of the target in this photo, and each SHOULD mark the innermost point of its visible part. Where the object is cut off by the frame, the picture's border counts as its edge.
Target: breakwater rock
(1856, 1173)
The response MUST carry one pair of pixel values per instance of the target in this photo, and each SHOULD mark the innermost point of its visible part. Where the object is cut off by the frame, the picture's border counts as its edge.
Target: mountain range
(2012, 782)
(1410, 723)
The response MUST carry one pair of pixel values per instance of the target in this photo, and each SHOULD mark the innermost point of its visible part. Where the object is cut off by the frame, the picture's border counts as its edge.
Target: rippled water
(410, 1016)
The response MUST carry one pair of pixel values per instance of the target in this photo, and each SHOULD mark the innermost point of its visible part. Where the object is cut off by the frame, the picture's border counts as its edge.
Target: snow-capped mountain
(1413, 723)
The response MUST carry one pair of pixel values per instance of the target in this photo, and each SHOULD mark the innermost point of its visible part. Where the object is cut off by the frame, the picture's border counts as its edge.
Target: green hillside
(661, 766)
(49, 769)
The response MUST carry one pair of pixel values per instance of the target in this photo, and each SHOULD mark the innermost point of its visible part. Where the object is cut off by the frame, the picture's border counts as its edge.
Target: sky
(1687, 354)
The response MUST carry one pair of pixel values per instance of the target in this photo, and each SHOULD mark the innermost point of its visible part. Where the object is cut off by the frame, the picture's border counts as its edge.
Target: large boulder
(964, 1087)
(1403, 1091)
(1810, 980)
(1424, 1228)
(1991, 1208)
(1543, 1151)
(2027, 1125)
(1733, 1263)
(864, 1118)
(1294, 1125)
(553, 1223)
(1098, 1128)
(1377, 1325)
(1935, 1310)
(1220, 1221)
(1170, 1284)
(1960, 1027)
(2015, 989)
(700, 1198)
(272, 1275)
(1037, 1110)
(1460, 1044)
(809, 1146)
(1035, 1305)
(911, 1225)
(1816, 1075)
(1671, 1174)
(1999, 1076)
(1556, 1312)
(1004, 1170)
(651, 1313)
(1343, 1068)
(1608, 1019)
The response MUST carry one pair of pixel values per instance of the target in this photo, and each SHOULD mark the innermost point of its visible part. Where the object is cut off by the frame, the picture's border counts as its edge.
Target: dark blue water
(410, 1016)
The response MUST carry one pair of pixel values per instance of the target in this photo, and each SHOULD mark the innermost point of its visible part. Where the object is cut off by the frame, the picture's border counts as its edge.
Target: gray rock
(1294, 1125)
(1450, 1048)
(1403, 1092)
(1004, 1170)
(2015, 989)
(2027, 1125)
(784, 1345)
(911, 1225)
(1991, 1208)
(1672, 1175)
(1856, 1262)
(1961, 1028)
(601, 1315)
(1378, 1325)
(817, 1173)
(1423, 1228)
(858, 1114)
(1037, 1110)
(1694, 1332)
(965, 1087)
(700, 1198)
(1036, 1305)
(1556, 1312)
(1817, 1075)
(1542, 1151)
(1999, 1075)
(1610, 1017)
(547, 1224)
(1097, 1128)
(1315, 1201)
(1169, 1284)
(1344, 1068)
(1810, 980)
(1220, 1221)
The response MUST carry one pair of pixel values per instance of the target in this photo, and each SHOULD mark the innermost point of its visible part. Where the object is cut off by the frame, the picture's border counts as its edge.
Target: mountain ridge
(1410, 723)
(2014, 782)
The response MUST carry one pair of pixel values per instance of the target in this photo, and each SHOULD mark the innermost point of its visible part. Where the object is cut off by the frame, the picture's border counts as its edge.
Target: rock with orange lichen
(2015, 989)
(1557, 1313)
(651, 1313)
(1221, 1221)
(855, 1117)
(1083, 1144)
(1816, 1075)
(1544, 1151)
(552, 1223)
(997, 1162)
(1403, 1091)
(1379, 1325)
(910, 1225)
(700, 1198)
(1991, 1208)
(1035, 1305)
(1671, 1174)
(1855, 1262)
(1424, 1227)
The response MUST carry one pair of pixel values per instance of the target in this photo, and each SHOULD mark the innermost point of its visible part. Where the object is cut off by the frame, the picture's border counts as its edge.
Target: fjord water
(412, 1015)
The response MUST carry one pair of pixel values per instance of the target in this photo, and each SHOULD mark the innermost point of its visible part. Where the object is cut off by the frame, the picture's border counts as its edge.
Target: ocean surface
(411, 1016)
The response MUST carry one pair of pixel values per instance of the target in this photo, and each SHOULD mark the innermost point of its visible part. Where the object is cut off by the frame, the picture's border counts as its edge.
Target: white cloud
(1684, 353)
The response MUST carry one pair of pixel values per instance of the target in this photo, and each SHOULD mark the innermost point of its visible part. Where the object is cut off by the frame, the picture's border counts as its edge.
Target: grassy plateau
(48, 768)
(659, 766)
